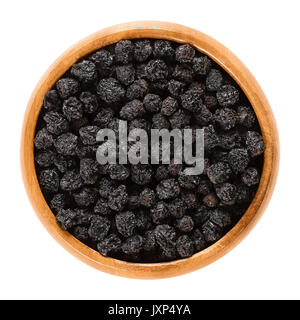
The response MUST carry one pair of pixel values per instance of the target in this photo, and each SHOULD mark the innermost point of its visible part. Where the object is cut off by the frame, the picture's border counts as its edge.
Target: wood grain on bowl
(234, 67)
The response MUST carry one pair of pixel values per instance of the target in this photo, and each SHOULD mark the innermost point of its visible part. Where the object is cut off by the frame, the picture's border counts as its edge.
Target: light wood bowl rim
(229, 62)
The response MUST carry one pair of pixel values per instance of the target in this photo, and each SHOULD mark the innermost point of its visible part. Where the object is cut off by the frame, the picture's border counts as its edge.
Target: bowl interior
(233, 66)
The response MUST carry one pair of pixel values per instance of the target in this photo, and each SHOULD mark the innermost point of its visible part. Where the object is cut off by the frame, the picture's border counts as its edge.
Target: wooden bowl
(234, 67)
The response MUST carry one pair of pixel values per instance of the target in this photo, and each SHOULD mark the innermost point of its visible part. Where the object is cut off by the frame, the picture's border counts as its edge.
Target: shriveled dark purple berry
(176, 88)
(137, 90)
(219, 172)
(210, 102)
(169, 106)
(201, 215)
(52, 102)
(89, 101)
(99, 228)
(67, 87)
(250, 177)
(106, 186)
(201, 65)
(220, 218)
(84, 71)
(184, 53)
(126, 223)
(133, 245)
(85, 197)
(66, 144)
(101, 207)
(110, 90)
(185, 246)
(141, 174)
(204, 187)
(177, 208)
(43, 139)
(185, 224)
(149, 241)
(226, 192)
(152, 102)
(58, 202)
(81, 233)
(49, 180)
(83, 216)
(71, 181)
(45, 158)
(183, 73)
(124, 51)
(230, 140)
(66, 218)
(211, 139)
(225, 118)
(160, 212)
(159, 121)
(102, 58)
(104, 118)
(203, 117)
(211, 232)
(88, 134)
(143, 220)
(165, 236)
(72, 108)
(238, 160)
(147, 198)
(190, 199)
(118, 172)
(210, 200)
(214, 80)
(198, 240)
(132, 110)
(179, 119)
(163, 49)
(89, 170)
(110, 244)
(227, 95)
(188, 181)
(245, 116)
(254, 143)
(156, 70)
(167, 189)
(117, 199)
(64, 163)
(125, 74)
(142, 50)
(56, 123)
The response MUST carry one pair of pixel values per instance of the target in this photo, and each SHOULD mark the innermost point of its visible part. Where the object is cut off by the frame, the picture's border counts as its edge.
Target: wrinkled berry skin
(184, 246)
(110, 90)
(156, 70)
(167, 189)
(84, 71)
(99, 228)
(49, 180)
(154, 212)
(219, 172)
(126, 223)
(67, 87)
(255, 143)
(227, 96)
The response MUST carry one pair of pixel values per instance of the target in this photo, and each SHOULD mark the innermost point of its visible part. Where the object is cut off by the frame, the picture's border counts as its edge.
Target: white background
(264, 35)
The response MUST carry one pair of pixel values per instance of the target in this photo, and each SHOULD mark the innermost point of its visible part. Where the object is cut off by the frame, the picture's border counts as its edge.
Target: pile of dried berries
(147, 213)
